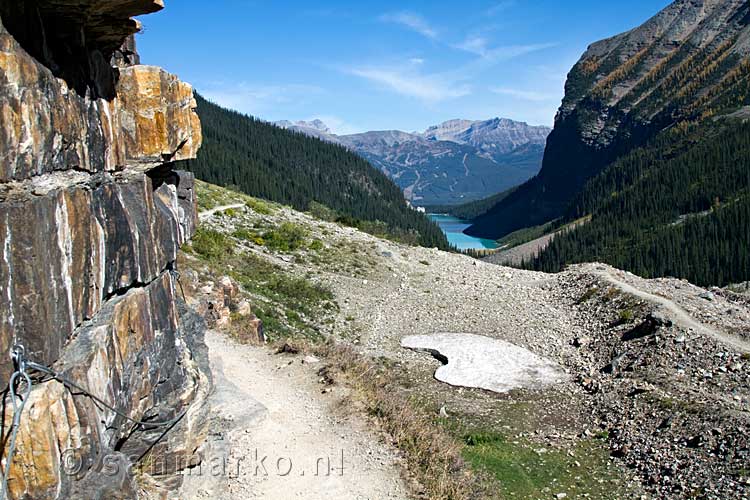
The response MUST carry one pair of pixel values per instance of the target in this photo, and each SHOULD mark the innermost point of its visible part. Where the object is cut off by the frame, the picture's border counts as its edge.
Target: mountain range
(680, 67)
(451, 163)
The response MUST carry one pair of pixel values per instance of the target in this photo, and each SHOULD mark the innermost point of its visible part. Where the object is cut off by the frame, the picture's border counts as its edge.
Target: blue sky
(383, 65)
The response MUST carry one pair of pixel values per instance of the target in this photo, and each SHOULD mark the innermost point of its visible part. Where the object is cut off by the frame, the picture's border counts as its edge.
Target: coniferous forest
(677, 207)
(287, 167)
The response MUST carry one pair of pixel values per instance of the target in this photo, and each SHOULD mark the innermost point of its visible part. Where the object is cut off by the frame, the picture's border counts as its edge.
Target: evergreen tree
(678, 207)
(287, 167)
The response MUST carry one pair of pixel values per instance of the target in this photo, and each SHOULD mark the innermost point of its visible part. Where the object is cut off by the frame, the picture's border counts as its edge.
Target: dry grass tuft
(433, 455)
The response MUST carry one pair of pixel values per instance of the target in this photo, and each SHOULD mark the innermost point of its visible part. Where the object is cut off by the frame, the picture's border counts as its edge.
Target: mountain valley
(650, 147)
(451, 163)
(653, 400)
(199, 304)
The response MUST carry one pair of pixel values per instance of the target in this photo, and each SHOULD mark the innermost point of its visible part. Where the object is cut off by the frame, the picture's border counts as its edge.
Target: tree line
(287, 167)
(679, 207)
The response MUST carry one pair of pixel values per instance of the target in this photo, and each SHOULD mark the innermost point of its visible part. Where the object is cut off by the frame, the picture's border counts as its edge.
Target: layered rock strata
(92, 214)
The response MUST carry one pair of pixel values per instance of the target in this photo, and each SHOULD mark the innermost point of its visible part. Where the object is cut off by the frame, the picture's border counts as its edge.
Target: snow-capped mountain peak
(317, 125)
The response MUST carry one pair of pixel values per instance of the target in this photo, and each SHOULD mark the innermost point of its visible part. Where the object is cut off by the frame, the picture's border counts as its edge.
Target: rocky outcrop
(55, 130)
(221, 302)
(92, 215)
(683, 66)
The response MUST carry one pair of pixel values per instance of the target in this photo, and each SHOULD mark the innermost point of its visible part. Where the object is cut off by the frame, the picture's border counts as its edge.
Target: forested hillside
(686, 65)
(472, 209)
(266, 161)
(650, 143)
(680, 207)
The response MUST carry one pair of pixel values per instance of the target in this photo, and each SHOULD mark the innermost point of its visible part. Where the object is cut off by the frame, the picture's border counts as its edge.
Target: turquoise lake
(453, 227)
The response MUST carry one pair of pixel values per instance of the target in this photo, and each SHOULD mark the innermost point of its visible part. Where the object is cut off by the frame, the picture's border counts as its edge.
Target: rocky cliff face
(91, 217)
(685, 65)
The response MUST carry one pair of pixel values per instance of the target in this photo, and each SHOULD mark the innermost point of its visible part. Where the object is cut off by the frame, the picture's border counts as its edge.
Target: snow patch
(486, 363)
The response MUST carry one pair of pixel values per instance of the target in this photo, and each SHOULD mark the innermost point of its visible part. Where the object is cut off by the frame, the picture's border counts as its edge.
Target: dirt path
(677, 314)
(276, 436)
(207, 214)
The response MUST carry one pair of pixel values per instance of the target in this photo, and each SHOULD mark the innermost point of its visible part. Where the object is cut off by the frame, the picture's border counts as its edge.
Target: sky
(383, 65)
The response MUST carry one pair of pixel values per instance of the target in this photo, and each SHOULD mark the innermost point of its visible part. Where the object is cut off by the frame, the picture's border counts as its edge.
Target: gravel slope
(656, 367)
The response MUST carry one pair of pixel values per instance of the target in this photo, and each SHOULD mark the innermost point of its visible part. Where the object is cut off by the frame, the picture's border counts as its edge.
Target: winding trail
(277, 437)
(676, 313)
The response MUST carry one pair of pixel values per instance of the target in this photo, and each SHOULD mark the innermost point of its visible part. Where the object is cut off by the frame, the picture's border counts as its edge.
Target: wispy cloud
(255, 99)
(413, 21)
(479, 45)
(408, 81)
(527, 95)
(501, 7)
(474, 44)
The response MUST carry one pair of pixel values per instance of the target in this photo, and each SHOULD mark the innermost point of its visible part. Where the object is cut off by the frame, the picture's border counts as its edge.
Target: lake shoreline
(453, 228)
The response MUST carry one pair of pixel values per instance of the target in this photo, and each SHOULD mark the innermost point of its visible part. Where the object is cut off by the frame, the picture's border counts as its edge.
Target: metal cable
(177, 276)
(18, 354)
(70, 384)
(17, 411)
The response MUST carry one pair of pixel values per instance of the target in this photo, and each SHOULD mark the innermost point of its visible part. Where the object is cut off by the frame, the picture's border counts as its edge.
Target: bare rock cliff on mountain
(92, 214)
(685, 65)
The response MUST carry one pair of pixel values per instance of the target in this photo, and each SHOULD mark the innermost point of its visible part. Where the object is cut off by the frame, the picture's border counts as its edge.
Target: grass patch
(288, 305)
(588, 295)
(259, 206)
(626, 316)
(211, 196)
(611, 294)
(433, 455)
(528, 471)
(292, 306)
(249, 235)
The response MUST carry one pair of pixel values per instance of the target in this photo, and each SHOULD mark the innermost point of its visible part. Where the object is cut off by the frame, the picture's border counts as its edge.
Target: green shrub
(244, 234)
(298, 292)
(626, 316)
(259, 207)
(322, 212)
(288, 237)
(211, 244)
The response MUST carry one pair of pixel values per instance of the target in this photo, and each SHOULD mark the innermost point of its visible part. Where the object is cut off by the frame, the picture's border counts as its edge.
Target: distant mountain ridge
(450, 163)
(496, 135)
